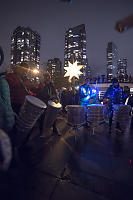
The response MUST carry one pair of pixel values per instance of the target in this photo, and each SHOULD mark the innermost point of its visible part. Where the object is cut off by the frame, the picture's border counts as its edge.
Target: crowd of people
(13, 90)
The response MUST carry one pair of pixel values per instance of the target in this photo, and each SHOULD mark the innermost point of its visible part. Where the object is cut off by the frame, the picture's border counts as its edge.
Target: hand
(56, 101)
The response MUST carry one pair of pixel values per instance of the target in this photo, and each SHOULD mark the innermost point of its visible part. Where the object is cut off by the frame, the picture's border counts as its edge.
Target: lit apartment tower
(75, 48)
(54, 67)
(25, 46)
(112, 57)
(122, 70)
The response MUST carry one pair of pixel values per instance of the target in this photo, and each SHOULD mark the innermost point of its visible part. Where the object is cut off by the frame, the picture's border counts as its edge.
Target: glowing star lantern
(73, 70)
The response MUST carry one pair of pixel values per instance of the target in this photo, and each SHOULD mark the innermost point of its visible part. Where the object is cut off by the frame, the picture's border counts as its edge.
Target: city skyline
(52, 18)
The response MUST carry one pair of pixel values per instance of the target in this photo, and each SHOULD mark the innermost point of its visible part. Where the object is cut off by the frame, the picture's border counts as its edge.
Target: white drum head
(53, 104)
(35, 101)
(96, 105)
(74, 106)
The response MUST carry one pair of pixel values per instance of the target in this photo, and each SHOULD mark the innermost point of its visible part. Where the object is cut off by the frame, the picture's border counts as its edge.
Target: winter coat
(7, 119)
(114, 94)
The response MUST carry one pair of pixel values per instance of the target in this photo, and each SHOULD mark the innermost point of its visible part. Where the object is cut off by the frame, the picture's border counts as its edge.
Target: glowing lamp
(35, 71)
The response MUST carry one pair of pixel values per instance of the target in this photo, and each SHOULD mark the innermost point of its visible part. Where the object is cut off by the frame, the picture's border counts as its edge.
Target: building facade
(54, 67)
(122, 70)
(75, 48)
(112, 57)
(25, 47)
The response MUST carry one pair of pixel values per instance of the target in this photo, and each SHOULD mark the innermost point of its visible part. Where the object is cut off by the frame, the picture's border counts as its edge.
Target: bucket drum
(95, 114)
(51, 113)
(122, 115)
(75, 115)
(29, 113)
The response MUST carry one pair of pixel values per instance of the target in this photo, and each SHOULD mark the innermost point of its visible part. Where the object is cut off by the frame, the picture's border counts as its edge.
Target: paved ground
(77, 165)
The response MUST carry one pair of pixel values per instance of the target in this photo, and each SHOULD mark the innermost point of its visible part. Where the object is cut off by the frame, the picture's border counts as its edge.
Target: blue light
(94, 91)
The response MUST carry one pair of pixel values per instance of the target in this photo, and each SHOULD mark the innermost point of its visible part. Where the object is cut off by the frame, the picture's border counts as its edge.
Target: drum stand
(75, 128)
(93, 126)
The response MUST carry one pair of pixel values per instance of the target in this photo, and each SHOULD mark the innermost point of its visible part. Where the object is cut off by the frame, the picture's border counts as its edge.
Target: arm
(107, 93)
(124, 24)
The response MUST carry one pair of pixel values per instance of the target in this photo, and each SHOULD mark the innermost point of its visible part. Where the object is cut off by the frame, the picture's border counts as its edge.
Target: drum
(29, 113)
(76, 115)
(122, 115)
(51, 113)
(95, 114)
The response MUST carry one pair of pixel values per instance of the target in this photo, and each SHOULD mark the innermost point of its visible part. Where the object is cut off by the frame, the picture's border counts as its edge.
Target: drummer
(114, 94)
(47, 92)
(85, 93)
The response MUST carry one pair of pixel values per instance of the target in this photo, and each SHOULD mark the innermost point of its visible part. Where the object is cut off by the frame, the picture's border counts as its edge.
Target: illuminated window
(70, 35)
(27, 42)
(22, 43)
(27, 52)
(12, 41)
(84, 56)
(75, 35)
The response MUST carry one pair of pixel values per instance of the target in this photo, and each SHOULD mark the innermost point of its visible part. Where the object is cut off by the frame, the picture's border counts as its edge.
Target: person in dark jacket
(7, 117)
(114, 94)
(130, 102)
(126, 94)
(47, 92)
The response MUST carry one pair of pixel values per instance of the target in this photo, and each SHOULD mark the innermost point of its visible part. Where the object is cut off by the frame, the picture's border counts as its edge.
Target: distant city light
(35, 71)
(131, 89)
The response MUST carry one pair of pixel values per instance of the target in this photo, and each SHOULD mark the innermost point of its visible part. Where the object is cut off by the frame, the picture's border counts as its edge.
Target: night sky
(51, 18)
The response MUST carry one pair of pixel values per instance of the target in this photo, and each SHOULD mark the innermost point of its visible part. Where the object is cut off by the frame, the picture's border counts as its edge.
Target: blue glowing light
(94, 91)
(75, 35)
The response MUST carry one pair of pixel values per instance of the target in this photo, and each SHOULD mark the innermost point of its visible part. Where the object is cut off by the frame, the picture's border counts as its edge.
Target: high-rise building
(25, 46)
(75, 48)
(112, 57)
(122, 70)
(54, 67)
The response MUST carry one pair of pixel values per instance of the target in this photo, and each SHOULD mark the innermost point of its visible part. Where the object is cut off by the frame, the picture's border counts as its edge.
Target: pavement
(76, 165)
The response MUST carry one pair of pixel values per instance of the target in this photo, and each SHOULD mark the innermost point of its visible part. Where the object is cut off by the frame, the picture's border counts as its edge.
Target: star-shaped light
(73, 70)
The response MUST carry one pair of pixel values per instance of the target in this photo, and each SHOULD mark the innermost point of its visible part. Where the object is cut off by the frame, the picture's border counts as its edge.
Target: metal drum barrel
(29, 113)
(122, 115)
(95, 113)
(75, 115)
(51, 113)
